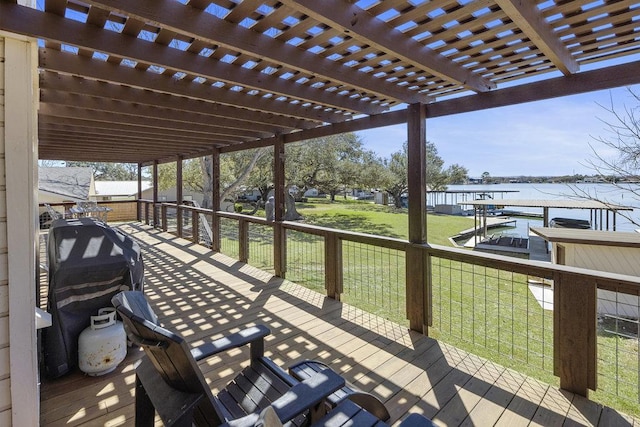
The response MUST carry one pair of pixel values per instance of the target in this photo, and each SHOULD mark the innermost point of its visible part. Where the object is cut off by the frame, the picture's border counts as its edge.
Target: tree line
(332, 165)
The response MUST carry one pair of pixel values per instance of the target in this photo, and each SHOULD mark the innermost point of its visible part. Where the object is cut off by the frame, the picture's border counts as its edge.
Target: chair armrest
(298, 399)
(307, 394)
(251, 335)
(417, 420)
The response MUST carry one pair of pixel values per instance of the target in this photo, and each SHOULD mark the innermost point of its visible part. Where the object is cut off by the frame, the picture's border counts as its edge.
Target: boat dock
(491, 223)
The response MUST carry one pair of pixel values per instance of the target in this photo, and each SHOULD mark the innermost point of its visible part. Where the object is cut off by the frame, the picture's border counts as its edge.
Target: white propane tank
(102, 345)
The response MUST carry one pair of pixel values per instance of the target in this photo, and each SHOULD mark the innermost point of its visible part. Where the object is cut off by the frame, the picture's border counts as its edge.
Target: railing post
(163, 209)
(179, 219)
(428, 297)
(243, 240)
(333, 265)
(215, 232)
(279, 249)
(156, 215)
(574, 325)
(195, 226)
(417, 279)
(146, 213)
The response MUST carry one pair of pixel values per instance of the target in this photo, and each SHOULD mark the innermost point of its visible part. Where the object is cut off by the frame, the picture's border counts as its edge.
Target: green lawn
(366, 217)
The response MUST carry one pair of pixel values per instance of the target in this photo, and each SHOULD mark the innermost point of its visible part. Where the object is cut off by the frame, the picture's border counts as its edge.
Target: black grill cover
(89, 262)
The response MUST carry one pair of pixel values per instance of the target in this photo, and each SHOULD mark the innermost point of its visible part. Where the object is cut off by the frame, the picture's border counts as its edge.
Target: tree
(235, 169)
(261, 176)
(616, 156)
(110, 171)
(331, 164)
(456, 174)
(197, 174)
(191, 175)
(485, 177)
(396, 182)
(437, 179)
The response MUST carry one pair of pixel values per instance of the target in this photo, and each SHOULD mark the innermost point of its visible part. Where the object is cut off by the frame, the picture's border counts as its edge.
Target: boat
(581, 224)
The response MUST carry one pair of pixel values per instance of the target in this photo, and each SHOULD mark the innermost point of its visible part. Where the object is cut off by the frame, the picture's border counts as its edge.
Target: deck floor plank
(203, 295)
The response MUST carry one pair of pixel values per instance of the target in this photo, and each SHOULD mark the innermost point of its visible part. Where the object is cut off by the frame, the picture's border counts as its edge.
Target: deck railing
(543, 319)
(121, 210)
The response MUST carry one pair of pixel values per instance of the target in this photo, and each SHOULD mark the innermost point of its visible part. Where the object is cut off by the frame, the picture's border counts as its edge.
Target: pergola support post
(155, 193)
(138, 205)
(179, 194)
(416, 259)
(279, 233)
(215, 200)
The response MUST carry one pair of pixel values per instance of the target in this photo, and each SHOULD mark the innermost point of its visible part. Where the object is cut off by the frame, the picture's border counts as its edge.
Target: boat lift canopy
(597, 208)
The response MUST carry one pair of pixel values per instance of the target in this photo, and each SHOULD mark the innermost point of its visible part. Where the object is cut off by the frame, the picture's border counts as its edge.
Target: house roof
(72, 182)
(560, 204)
(182, 78)
(120, 188)
(589, 237)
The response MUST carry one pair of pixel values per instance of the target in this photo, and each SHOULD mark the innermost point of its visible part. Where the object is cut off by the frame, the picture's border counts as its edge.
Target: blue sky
(541, 138)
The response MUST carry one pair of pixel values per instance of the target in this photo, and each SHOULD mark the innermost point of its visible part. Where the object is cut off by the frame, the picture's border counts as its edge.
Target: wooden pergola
(152, 81)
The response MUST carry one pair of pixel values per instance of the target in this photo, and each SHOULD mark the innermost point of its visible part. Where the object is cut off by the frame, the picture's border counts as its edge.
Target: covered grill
(89, 262)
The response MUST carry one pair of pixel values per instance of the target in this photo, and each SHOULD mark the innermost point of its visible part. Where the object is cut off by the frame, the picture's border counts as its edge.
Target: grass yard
(366, 217)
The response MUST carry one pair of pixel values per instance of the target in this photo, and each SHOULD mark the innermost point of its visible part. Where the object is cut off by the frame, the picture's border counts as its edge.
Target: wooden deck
(203, 295)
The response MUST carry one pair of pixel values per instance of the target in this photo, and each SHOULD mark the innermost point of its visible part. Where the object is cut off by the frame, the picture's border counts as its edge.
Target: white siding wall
(613, 259)
(604, 258)
(5, 372)
(19, 391)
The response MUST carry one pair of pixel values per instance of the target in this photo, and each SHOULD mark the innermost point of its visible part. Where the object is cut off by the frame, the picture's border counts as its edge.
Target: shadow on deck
(203, 295)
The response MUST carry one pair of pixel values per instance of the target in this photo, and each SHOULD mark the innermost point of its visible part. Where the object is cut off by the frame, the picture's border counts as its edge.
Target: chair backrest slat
(168, 352)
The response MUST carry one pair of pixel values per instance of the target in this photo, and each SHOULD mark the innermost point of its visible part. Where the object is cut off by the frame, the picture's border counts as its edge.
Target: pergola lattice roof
(134, 81)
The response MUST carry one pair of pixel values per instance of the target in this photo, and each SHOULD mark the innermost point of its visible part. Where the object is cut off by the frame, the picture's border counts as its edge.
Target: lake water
(604, 192)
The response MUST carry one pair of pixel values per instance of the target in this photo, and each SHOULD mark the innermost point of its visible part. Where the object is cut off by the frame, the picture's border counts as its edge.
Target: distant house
(170, 195)
(119, 190)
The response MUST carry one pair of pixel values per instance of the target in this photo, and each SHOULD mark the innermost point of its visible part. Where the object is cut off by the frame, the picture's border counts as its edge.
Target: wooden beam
(70, 84)
(96, 129)
(189, 129)
(87, 135)
(75, 65)
(26, 21)
(363, 123)
(358, 23)
(182, 19)
(170, 119)
(64, 143)
(527, 17)
(586, 81)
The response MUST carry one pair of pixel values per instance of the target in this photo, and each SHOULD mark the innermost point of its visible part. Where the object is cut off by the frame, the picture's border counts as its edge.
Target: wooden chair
(169, 381)
(346, 413)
